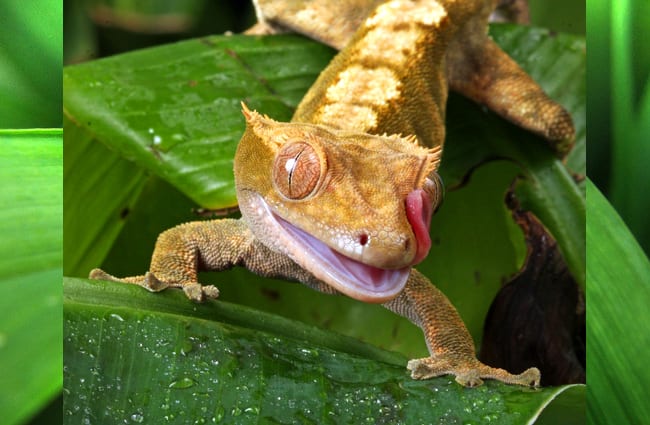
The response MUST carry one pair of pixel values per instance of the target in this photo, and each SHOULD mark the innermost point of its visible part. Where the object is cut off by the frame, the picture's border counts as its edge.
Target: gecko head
(353, 209)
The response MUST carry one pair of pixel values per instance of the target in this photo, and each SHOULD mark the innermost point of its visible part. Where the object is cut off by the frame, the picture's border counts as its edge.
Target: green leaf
(159, 358)
(104, 190)
(571, 19)
(557, 62)
(175, 109)
(30, 271)
(617, 335)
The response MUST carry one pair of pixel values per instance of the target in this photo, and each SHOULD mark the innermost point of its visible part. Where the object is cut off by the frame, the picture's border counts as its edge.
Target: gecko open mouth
(346, 275)
(369, 281)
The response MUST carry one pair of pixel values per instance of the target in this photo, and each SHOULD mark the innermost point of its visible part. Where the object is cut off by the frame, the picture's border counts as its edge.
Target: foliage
(161, 359)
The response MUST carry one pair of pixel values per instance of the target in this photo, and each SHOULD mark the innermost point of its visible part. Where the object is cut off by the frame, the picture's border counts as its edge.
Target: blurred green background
(30, 64)
(98, 28)
(619, 108)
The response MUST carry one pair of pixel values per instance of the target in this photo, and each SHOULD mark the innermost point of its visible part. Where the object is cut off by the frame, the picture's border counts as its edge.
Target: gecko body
(341, 197)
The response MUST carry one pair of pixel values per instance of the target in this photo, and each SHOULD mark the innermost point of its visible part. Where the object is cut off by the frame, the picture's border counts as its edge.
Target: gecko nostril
(363, 239)
(407, 244)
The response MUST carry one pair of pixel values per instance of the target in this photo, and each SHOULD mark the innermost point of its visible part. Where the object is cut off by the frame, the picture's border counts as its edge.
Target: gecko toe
(199, 293)
(470, 378)
(211, 292)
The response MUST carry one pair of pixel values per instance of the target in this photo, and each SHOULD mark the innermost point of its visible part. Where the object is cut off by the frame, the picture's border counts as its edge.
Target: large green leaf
(160, 359)
(175, 109)
(30, 271)
(617, 335)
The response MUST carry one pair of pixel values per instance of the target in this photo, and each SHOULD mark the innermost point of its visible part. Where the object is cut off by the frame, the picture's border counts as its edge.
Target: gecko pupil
(296, 170)
(290, 166)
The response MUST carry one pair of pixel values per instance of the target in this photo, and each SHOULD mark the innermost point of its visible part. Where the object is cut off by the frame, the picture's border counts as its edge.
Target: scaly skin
(329, 201)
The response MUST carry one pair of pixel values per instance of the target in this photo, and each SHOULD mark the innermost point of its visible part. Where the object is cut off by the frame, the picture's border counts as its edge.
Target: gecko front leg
(450, 344)
(184, 250)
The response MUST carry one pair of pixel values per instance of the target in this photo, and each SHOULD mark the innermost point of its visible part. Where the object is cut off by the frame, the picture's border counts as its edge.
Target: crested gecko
(341, 197)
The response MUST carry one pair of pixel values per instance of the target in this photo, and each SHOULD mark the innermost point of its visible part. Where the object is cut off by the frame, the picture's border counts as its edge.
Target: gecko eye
(296, 170)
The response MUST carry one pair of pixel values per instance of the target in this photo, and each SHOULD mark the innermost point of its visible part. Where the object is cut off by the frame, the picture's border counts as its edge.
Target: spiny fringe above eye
(253, 115)
(434, 155)
(436, 150)
(413, 141)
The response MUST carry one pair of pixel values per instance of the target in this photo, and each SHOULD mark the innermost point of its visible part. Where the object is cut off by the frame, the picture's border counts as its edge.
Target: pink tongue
(418, 213)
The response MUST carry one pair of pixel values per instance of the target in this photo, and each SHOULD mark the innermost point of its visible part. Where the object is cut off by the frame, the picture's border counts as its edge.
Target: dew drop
(137, 417)
(182, 383)
(218, 414)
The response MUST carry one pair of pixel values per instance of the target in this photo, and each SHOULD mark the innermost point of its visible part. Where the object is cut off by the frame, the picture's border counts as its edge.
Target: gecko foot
(193, 290)
(148, 281)
(470, 373)
(199, 293)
